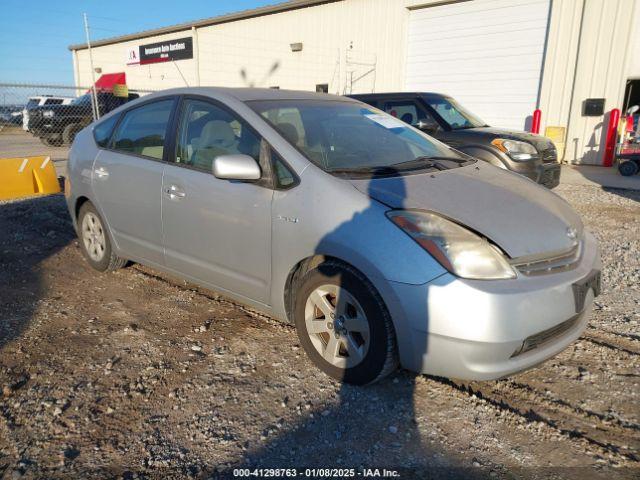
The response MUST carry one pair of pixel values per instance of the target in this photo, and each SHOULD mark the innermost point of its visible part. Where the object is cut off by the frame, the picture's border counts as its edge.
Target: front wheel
(69, 133)
(628, 168)
(343, 324)
(95, 242)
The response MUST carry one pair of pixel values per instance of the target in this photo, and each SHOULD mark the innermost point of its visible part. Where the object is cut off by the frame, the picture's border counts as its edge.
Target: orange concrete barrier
(24, 176)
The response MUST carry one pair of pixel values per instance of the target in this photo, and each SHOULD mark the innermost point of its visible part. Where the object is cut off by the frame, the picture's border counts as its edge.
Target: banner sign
(167, 51)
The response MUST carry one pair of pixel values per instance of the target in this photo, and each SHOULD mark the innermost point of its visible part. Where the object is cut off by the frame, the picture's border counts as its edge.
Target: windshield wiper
(426, 161)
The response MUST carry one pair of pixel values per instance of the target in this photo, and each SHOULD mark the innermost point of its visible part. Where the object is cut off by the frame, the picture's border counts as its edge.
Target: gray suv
(442, 117)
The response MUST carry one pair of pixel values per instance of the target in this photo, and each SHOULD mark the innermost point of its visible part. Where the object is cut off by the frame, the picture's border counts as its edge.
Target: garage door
(486, 53)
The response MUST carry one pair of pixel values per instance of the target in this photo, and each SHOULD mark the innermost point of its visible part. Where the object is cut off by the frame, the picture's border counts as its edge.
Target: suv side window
(207, 131)
(143, 130)
(409, 112)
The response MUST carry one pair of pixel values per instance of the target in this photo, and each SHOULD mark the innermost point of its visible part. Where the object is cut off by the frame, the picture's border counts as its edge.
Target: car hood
(515, 213)
(489, 133)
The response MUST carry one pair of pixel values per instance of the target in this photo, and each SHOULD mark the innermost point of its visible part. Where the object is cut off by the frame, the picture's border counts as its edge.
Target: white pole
(95, 111)
(196, 54)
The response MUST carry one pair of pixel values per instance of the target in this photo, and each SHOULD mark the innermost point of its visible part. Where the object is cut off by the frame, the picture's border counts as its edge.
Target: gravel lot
(136, 375)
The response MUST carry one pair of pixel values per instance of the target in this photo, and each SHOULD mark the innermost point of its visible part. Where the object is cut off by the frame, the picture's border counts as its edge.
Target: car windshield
(350, 138)
(82, 100)
(456, 116)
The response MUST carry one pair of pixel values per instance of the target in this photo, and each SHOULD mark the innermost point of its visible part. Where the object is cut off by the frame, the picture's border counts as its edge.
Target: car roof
(249, 94)
(398, 94)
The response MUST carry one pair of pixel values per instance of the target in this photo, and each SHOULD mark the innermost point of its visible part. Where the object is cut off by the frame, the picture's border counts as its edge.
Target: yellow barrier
(20, 177)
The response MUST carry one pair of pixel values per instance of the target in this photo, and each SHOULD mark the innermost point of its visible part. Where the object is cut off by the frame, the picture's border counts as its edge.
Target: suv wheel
(343, 324)
(95, 242)
(52, 141)
(69, 133)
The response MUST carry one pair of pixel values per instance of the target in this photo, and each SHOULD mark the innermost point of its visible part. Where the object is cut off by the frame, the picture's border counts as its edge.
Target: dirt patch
(134, 374)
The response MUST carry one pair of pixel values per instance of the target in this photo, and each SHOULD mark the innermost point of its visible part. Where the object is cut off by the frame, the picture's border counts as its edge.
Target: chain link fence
(44, 119)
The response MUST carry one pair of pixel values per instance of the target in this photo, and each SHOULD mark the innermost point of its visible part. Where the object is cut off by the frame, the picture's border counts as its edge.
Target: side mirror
(427, 127)
(633, 109)
(236, 167)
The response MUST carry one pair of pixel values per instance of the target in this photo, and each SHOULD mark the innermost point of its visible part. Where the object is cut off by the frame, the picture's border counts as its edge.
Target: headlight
(457, 249)
(517, 150)
(47, 113)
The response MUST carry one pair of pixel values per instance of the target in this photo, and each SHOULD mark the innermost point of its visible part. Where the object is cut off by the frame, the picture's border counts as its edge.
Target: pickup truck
(57, 125)
(443, 118)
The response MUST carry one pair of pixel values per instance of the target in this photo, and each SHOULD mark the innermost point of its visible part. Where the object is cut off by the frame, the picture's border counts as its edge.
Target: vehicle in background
(10, 115)
(442, 117)
(58, 125)
(39, 101)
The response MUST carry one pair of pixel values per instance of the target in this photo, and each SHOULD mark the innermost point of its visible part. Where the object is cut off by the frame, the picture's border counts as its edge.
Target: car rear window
(142, 130)
(103, 130)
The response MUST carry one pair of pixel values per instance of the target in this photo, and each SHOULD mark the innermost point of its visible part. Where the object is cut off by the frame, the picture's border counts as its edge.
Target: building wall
(586, 58)
(360, 46)
(353, 45)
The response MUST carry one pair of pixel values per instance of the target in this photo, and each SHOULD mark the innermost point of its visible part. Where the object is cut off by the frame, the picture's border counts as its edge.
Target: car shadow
(33, 230)
(375, 426)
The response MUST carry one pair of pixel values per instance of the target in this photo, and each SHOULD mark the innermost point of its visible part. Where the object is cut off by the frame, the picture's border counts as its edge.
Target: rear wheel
(95, 242)
(343, 324)
(52, 141)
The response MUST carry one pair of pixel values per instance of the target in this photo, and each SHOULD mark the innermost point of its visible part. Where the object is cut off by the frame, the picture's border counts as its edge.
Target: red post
(535, 124)
(610, 143)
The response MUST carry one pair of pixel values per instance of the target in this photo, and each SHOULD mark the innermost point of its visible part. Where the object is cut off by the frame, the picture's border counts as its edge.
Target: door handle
(174, 192)
(101, 173)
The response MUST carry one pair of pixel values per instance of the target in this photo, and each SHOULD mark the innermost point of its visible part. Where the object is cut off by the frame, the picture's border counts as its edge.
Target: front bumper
(474, 329)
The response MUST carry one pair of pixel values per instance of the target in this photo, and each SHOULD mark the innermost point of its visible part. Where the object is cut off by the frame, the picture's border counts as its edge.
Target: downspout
(196, 53)
(573, 84)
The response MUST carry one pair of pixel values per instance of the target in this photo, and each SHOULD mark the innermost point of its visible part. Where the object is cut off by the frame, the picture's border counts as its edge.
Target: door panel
(218, 231)
(127, 180)
(128, 190)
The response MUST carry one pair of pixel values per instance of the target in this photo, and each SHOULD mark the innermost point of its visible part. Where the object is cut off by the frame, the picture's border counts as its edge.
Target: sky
(35, 34)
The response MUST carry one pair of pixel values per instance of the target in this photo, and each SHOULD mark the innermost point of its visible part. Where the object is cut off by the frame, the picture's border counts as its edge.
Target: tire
(355, 356)
(628, 168)
(51, 142)
(69, 133)
(95, 242)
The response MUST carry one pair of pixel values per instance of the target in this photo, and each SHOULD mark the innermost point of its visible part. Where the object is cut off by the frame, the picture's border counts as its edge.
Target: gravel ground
(133, 374)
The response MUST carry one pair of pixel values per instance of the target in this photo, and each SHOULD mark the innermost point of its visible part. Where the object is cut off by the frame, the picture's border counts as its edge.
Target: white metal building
(500, 58)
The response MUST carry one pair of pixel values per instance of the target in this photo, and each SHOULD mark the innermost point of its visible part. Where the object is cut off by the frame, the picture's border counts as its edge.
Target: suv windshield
(82, 100)
(345, 137)
(456, 116)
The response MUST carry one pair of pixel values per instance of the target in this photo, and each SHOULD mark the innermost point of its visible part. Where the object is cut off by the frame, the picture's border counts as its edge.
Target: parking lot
(136, 374)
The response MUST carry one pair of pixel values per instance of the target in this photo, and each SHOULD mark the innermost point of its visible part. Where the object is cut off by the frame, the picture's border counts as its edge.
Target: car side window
(410, 113)
(207, 131)
(103, 130)
(142, 130)
(284, 178)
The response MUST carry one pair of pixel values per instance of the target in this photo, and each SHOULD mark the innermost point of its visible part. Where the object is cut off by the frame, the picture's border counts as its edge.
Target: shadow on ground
(33, 230)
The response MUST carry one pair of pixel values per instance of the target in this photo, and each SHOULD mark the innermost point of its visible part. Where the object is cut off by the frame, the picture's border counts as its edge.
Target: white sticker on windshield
(386, 121)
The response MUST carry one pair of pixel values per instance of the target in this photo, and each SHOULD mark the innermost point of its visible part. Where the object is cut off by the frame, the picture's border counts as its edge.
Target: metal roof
(230, 17)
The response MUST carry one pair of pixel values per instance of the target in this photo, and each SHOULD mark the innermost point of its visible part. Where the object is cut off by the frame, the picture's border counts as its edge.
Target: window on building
(322, 88)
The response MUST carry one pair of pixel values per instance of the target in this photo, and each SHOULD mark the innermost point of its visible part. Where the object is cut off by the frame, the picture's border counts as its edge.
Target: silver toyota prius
(382, 245)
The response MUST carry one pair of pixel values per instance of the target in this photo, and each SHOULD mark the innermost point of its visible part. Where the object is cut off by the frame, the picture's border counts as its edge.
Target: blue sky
(35, 34)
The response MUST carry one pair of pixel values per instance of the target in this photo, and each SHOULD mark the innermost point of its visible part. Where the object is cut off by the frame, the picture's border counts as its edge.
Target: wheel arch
(304, 266)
